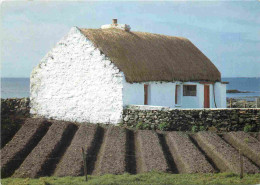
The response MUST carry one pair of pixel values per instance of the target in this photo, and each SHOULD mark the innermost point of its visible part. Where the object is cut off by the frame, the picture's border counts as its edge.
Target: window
(189, 90)
(145, 94)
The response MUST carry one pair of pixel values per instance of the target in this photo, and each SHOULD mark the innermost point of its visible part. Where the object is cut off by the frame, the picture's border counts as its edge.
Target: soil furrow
(130, 152)
(113, 159)
(8, 133)
(49, 167)
(204, 153)
(187, 157)
(100, 153)
(167, 154)
(24, 141)
(249, 145)
(71, 163)
(138, 155)
(42, 160)
(224, 156)
(42, 148)
(93, 151)
(151, 152)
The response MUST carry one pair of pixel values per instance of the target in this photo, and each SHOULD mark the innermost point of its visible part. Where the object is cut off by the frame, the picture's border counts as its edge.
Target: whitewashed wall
(220, 95)
(193, 101)
(163, 94)
(220, 92)
(160, 94)
(74, 82)
(133, 94)
(223, 95)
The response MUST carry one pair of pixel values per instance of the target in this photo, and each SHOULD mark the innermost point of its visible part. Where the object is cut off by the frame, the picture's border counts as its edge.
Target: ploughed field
(53, 148)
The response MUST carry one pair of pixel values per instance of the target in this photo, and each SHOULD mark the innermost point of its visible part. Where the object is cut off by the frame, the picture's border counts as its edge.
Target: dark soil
(204, 153)
(113, 159)
(224, 156)
(14, 153)
(255, 135)
(10, 124)
(151, 152)
(249, 145)
(167, 154)
(187, 157)
(130, 152)
(41, 161)
(72, 161)
(39, 149)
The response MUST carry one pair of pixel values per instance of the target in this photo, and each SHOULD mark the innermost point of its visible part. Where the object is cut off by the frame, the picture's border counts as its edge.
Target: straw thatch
(153, 57)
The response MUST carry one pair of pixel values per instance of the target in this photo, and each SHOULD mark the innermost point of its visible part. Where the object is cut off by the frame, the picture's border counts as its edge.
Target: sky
(227, 32)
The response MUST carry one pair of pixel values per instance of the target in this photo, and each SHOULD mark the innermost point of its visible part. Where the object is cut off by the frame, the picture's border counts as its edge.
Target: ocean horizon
(15, 87)
(20, 87)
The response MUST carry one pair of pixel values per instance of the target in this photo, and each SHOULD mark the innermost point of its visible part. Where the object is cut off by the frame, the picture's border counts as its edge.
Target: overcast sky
(228, 33)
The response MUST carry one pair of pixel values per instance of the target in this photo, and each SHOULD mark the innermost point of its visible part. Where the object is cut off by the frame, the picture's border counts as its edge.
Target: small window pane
(189, 90)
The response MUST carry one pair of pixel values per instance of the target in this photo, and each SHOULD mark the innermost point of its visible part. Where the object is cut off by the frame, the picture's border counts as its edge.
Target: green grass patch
(140, 179)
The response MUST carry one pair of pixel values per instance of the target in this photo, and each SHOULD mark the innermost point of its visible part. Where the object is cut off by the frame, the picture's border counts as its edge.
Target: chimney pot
(115, 21)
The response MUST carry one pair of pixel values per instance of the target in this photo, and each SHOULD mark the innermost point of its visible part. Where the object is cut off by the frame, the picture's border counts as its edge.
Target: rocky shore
(237, 91)
(242, 103)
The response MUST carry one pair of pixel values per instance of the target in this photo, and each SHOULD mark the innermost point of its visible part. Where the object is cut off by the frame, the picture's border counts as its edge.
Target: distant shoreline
(237, 91)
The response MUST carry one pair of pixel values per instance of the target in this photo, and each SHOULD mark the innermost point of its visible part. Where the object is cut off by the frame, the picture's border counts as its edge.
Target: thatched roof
(152, 57)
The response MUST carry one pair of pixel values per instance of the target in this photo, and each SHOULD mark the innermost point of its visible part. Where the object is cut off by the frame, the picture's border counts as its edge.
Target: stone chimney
(114, 24)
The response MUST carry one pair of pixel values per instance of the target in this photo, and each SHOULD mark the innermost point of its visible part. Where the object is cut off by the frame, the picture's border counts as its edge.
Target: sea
(20, 87)
(15, 87)
(243, 84)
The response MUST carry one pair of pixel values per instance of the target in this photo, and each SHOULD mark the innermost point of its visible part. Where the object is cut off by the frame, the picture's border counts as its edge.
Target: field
(53, 148)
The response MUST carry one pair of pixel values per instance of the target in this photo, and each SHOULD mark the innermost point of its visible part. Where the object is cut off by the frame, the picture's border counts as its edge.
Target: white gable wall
(74, 82)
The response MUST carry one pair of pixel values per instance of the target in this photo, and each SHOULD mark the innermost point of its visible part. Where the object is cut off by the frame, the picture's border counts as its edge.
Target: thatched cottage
(91, 74)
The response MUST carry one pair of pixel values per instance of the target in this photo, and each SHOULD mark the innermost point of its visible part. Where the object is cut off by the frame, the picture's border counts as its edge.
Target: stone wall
(148, 117)
(15, 106)
(15, 110)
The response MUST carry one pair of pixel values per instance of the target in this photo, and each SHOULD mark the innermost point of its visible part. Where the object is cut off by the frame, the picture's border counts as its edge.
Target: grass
(140, 179)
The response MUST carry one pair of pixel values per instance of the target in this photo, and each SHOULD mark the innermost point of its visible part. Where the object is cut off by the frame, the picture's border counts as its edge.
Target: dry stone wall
(192, 119)
(15, 106)
(14, 110)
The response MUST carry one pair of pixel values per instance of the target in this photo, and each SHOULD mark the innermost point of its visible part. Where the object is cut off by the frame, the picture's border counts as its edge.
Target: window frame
(184, 93)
